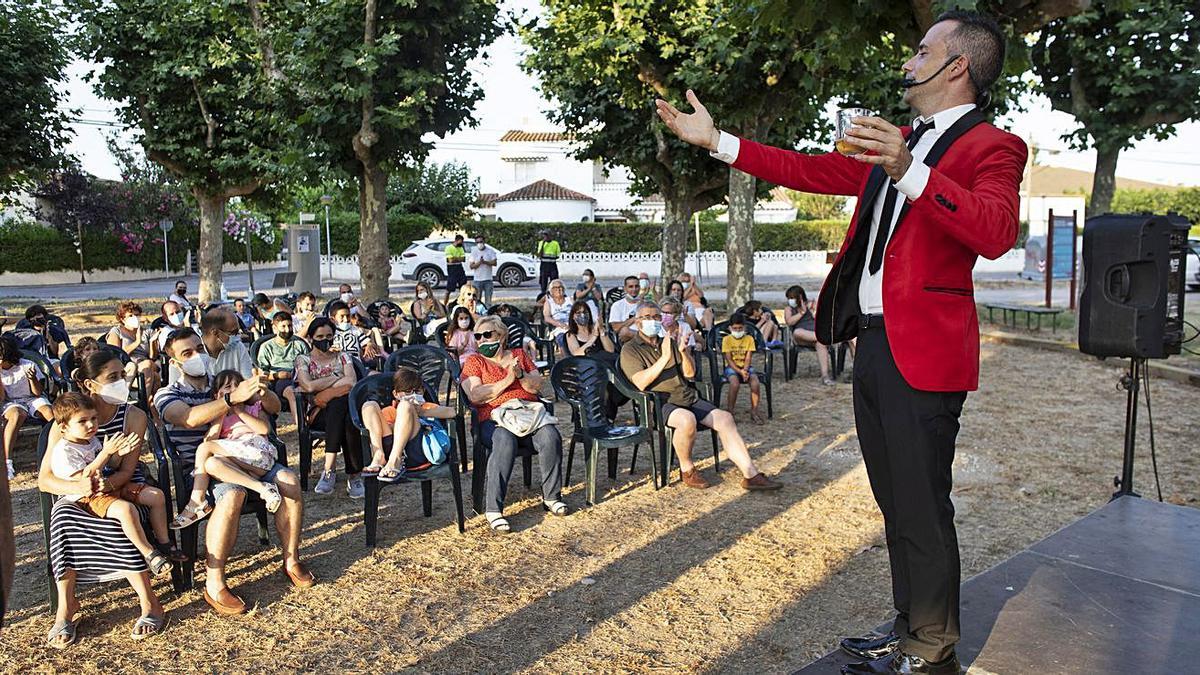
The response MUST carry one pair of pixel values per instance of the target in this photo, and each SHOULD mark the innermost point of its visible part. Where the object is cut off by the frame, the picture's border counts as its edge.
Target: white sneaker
(354, 487)
(325, 485)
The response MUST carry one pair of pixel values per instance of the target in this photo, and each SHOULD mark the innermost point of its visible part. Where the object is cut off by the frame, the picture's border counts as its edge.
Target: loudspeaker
(1131, 303)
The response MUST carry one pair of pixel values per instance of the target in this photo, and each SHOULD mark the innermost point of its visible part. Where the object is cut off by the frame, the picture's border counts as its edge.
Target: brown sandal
(301, 578)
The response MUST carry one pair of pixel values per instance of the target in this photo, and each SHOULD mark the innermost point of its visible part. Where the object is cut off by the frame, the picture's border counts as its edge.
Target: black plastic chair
(583, 383)
(518, 330)
(379, 388)
(716, 362)
(181, 477)
(307, 434)
(391, 343)
(434, 363)
(47, 501)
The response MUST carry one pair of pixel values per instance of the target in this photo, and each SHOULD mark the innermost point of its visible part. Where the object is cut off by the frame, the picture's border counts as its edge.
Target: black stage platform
(1115, 592)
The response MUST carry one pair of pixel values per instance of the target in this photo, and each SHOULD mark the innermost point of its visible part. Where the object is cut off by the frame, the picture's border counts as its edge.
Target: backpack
(434, 449)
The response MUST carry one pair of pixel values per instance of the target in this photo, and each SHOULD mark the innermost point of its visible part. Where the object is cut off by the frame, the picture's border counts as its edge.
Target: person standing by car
(548, 251)
(483, 265)
(456, 276)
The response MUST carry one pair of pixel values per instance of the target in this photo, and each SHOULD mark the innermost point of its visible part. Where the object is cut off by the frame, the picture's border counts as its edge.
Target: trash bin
(304, 257)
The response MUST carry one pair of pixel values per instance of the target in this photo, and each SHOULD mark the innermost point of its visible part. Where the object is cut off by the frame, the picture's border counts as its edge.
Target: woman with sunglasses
(490, 378)
(468, 296)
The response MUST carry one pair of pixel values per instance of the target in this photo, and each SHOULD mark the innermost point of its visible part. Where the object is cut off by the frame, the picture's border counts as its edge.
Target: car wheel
(511, 275)
(430, 275)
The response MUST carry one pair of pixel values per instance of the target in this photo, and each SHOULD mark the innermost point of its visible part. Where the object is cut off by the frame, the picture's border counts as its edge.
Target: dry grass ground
(670, 580)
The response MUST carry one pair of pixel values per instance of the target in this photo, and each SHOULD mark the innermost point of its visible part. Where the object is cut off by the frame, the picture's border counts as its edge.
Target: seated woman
(134, 340)
(497, 378)
(84, 548)
(329, 375)
(588, 289)
(799, 317)
(400, 425)
(695, 302)
(468, 296)
(426, 310)
(556, 312)
(587, 337)
(460, 338)
(674, 322)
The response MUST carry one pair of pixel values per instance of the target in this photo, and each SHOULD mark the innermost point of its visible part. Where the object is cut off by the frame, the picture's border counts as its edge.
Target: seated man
(621, 316)
(172, 318)
(654, 363)
(188, 409)
(54, 337)
(219, 332)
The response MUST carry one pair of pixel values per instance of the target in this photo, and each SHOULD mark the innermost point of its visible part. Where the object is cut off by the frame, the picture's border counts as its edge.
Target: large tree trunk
(676, 228)
(739, 240)
(374, 261)
(211, 253)
(1104, 181)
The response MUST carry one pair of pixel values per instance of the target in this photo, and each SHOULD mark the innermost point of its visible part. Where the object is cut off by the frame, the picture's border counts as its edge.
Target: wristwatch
(228, 403)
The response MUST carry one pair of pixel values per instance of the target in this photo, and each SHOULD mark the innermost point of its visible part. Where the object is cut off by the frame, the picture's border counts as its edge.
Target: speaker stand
(1131, 383)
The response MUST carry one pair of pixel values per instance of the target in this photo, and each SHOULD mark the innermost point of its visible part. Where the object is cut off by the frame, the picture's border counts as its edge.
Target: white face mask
(115, 393)
(643, 283)
(132, 322)
(651, 327)
(686, 284)
(422, 295)
(738, 334)
(792, 303)
(464, 322)
(414, 398)
(196, 366)
(587, 278)
(346, 297)
(343, 325)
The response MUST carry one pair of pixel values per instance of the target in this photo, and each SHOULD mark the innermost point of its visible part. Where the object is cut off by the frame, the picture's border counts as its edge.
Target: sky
(511, 101)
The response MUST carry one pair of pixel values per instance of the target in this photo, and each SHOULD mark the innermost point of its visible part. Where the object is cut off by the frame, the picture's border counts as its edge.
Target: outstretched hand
(696, 128)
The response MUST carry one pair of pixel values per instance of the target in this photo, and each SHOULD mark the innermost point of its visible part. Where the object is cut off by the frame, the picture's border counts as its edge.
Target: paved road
(236, 283)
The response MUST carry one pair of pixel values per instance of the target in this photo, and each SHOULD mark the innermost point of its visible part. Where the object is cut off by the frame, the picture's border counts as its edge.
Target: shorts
(700, 409)
(219, 490)
(279, 385)
(29, 405)
(456, 277)
(256, 451)
(731, 374)
(98, 505)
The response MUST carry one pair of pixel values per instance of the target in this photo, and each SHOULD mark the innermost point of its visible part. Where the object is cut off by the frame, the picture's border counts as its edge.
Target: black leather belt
(870, 321)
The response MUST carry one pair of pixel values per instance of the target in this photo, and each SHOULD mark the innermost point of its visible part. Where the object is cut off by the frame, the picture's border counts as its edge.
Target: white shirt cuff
(727, 148)
(913, 182)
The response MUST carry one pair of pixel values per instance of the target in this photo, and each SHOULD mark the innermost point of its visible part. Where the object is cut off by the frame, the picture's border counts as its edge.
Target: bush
(31, 248)
(1185, 202)
(403, 228)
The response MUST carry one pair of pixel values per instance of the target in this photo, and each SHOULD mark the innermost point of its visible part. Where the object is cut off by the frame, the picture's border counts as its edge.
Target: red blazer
(969, 209)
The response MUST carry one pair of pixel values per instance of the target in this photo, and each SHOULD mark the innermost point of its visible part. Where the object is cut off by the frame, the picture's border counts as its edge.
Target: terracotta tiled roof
(486, 200)
(518, 136)
(543, 189)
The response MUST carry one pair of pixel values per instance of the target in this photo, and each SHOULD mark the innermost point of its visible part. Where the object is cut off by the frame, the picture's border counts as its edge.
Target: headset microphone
(908, 83)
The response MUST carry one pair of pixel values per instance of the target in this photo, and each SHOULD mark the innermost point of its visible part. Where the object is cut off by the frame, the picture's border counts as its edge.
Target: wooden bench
(1030, 312)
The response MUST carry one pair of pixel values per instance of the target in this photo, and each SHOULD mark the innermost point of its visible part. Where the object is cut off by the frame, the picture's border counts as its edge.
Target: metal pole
(1050, 258)
(696, 222)
(166, 261)
(249, 261)
(79, 231)
(1130, 382)
(328, 246)
(1074, 253)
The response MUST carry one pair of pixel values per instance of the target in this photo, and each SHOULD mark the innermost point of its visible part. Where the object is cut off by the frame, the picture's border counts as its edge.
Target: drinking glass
(842, 124)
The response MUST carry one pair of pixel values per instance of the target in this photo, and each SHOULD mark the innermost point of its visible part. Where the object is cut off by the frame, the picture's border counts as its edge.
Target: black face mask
(322, 345)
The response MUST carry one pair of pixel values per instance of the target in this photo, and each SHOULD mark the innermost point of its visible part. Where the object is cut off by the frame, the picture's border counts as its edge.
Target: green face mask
(489, 350)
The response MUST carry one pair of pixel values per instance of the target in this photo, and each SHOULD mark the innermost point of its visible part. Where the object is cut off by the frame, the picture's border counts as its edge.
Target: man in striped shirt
(188, 409)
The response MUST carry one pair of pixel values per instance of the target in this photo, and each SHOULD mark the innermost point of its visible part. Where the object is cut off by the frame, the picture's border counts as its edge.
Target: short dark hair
(214, 318)
(628, 278)
(34, 310)
(979, 38)
(10, 349)
(407, 379)
(177, 335)
(261, 299)
(305, 295)
(738, 319)
(66, 405)
(282, 316)
(337, 306)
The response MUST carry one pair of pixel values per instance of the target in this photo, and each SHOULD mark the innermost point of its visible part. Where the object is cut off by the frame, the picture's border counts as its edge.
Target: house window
(522, 171)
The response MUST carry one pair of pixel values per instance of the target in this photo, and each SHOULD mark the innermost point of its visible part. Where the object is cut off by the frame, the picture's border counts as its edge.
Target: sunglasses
(487, 335)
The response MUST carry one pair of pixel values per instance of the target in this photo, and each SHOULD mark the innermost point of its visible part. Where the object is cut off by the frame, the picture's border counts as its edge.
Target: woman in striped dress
(83, 547)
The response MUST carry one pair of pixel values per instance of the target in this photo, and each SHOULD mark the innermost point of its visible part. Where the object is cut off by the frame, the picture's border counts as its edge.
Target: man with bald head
(172, 317)
(219, 333)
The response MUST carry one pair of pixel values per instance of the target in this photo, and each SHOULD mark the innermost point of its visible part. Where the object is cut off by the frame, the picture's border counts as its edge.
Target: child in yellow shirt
(737, 348)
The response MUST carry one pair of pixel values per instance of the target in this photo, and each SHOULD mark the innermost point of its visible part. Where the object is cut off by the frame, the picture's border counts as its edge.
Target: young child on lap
(240, 437)
(79, 453)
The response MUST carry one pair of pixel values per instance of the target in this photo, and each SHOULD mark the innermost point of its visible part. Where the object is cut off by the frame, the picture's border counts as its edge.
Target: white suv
(425, 260)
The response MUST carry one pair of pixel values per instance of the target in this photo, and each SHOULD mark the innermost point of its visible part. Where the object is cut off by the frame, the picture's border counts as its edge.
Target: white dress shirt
(911, 185)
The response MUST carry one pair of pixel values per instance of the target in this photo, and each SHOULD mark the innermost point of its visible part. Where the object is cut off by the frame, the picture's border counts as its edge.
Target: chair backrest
(583, 382)
(720, 330)
(513, 310)
(614, 294)
(380, 385)
(518, 329)
(373, 309)
(325, 310)
(430, 361)
(441, 334)
(257, 345)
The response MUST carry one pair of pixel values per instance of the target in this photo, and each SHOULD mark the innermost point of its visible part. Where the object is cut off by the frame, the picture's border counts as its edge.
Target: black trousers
(341, 434)
(907, 438)
(547, 272)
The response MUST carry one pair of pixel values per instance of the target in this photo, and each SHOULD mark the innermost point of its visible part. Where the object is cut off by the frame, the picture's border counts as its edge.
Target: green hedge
(801, 235)
(32, 248)
(1184, 201)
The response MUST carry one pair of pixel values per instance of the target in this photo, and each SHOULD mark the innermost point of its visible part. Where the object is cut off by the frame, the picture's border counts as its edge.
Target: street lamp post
(326, 200)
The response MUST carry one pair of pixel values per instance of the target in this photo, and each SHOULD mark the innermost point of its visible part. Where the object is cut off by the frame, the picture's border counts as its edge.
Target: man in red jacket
(931, 199)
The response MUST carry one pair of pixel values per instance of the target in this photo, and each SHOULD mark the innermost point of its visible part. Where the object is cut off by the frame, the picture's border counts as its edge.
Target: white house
(541, 182)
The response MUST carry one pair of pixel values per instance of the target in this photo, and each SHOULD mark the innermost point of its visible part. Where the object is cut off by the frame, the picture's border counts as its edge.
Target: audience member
(468, 296)
(799, 316)
(277, 358)
(589, 289)
(134, 339)
(218, 333)
(426, 311)
(695, 302)
(460, 338)
(348, 338)
(737, 350)
(247, 320)
(622, 315)
(400, 426)
(556, 312)
(679, 329)
(180, 298)
(54, 336)
(306, 311)
(171, 318)
(22, 395)
(328, 376)
(764, 320)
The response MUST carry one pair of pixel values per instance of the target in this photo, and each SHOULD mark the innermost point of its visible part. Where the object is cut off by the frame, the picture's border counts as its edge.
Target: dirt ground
(666, 581)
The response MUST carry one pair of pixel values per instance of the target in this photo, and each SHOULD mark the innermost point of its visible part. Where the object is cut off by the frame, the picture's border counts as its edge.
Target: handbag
(522, 418)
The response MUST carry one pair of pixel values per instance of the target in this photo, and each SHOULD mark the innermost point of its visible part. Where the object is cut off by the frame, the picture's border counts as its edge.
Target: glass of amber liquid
(842, 123)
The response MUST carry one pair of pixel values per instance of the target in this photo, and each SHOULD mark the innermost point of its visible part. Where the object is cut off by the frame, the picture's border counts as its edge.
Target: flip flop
(389, 475)
(372, 469)
(67, 629)
(157, 623)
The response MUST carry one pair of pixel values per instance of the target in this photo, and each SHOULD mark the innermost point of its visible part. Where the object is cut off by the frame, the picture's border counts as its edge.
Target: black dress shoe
(904, 664)
(871, 647)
